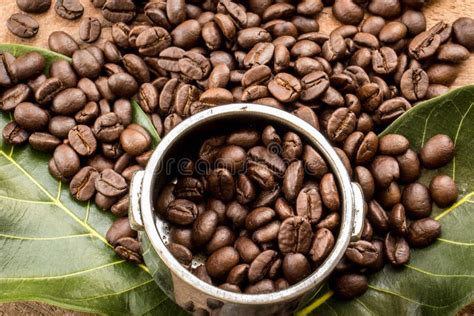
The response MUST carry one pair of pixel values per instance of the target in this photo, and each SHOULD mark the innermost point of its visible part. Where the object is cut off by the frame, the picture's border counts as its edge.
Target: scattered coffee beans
(179, 59)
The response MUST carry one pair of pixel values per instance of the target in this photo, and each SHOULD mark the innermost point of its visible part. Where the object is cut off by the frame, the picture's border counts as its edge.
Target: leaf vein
(465, 199)
(117, 293)
(2, 197)
(45, 238)
(386, 291)
(456, 242)
(439, 275)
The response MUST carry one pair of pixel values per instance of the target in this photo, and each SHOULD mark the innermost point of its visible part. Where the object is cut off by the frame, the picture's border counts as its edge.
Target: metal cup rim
(294, 123)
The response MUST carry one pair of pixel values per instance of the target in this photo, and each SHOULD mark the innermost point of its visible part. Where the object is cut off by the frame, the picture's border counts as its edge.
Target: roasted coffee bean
(372, 25)
(238, 274)
(423, 232)
(390, 196)
(86, 64)
(313, 162)
(33, 6)
(261, 265)
(321, 245)
(82, 186)
(384, 60)
(393, 32)
(82, 140)
(367, 40)
(216, 96)
(189, 188)
(267, 233)
(128, 249)
(385, 169)
(348, 12)
(329, 192)
(108, 127)
(120, 208)
(164, 199)
(363, 176)
(22, 25)
(43, 141)
(415, 22)
(221, 184)
(377, 216)
(152, 41)
(293, 179)
(409, 166)
(194, 65)
(285, 87)
(65, 163)
(330, 222)
(181, 253)
(135, 140)
(63, 43)
(314, 85)
(397, 250)
(259, 217)
(187, 34)
(110, 183)
(416, 200)
(414, 84)
(386, 9)
(232, 158)
(309, 204)
(13, 134)
(31, 117)
(349, 286)
(219, 77)
(245, 191)
(181, 212)
(341, 124)
(397, 220)
(69, 101)
(437, 151)
(222, 261)
(90, 30)
(182, 236)
(362, 252)
(118, 10)
(443, 190)
(424, 45)
(361, 148)
(462, 28)
(69, 9)
(204, 227)
(295, 235)
(283, 209)
(14, 96)
(334, 48)
(47, 91)
(63, 71)
(120, 229)
(28, 66)
(60, 126)
(452, 53)
(393, 144)
(237, 213)
(296, 267)
(201, 273)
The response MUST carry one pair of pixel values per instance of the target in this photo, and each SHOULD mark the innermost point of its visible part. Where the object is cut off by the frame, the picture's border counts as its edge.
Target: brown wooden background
(437, 10)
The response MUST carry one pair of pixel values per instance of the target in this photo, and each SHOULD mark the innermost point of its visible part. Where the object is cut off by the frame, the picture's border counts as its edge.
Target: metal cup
(176, 281)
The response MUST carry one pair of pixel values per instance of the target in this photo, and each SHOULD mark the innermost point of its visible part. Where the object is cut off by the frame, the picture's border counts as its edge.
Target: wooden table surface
(437, 10)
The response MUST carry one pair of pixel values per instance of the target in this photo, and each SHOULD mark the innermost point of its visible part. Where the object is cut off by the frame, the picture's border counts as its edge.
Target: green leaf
(53, 248)
(439, 280)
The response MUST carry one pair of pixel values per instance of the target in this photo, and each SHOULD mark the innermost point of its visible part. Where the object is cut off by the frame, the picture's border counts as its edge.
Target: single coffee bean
(442, 73)
(237, 213)
(222, 261)
(362, 253)
(329, 192)
(443, 190)
(13, 134)
(259, 217)
(216, 96)
(63, 43)
(204, 227)
(44, 141)
(28, 66)
(397, 250)
(69, 9)
(285, 87)
(385, 8)
(135, 140)
(349, 286)
(397, 220)
(34, 6)
(238, 274)
(22, 25)
(48, 90)
(82, 186)
(187, 34)
(309, 204)
(385, 170)
(60, 126)
(424, 45)
(194, 65)
(452, 53)
(377, 216)
(189, 188)
(295, 235)
(31, 117)
(245, 190)
(181, 212)
(107, 127)
(423, 232)
(181, 253)
(85, 64)
(82, 140)
(414, 84)
(14, 96)
(437, 151)
(120, 229)
(334, 48)
(129, 249)
(90, 30)
(393, 32)
(63, 71)
(330, 222)
(417, 201)
(65, 163)
(119, 10)
(296, 267)
(261, 287)
(361, 148)
(341, 124)
(314, 85)
(261, 265)
(69, 101)
(462, 28)
(321, 245)
(363, 176)
(201, 273)
(247, 249)
(393, 144)
(409, 166)
(182, 236)
(153, 41)
(384, 60)
(221, 184)
(110, 183)
(372, 25)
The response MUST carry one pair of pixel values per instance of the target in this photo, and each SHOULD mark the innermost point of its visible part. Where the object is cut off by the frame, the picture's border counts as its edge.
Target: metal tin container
(176, 281)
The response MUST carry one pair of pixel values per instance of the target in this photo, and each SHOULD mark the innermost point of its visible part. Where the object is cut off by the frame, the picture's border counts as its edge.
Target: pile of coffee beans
(180, 57)
(89, 131)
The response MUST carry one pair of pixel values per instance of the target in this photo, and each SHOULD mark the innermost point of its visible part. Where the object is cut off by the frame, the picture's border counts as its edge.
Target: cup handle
(360, 208)
(134, 211)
